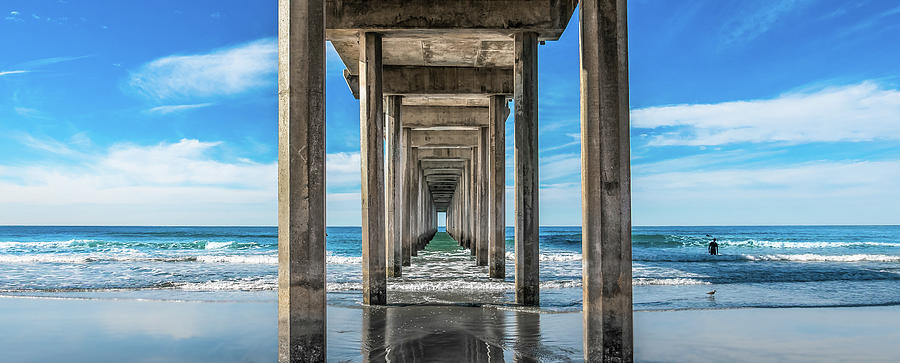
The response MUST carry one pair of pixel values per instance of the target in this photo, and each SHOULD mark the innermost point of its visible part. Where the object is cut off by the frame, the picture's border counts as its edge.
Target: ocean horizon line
(356, 226)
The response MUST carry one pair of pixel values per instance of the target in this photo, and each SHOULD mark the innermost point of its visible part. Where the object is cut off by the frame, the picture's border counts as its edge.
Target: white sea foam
(230, 285)
(811, 244)
(217, 245)
(805, 257)
(825, 258)
(671, 281)
(240, 259)
(41, 244)
(551, 257)
(45, 259)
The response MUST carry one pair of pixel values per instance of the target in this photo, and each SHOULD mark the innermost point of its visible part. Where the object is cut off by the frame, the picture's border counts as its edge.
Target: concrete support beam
(425, 17)
(428, 81)
(415, 210)
(445, 116)
(483, 200)
(372, 160)
(301, 181)
(409, 157)
(459, 154)
(526, 157)
(605, 183)
(497, 190)
(394, 251)
(444, 139)
(471, 208)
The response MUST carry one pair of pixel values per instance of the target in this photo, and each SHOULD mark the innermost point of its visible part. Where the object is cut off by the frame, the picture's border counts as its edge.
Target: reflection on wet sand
(453, 333)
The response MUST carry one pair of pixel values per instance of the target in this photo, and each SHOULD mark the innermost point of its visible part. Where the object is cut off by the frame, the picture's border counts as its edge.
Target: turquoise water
(773, 266)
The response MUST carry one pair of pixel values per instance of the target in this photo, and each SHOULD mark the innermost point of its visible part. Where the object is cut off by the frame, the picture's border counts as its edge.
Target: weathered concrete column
(605, 183)
(394, 251)
(483, 200)
(301, 181)
(420, 210)
(406, 224)
(526, 155)
(415, 212)
(470, 208)
(497, 190)
(372, 159)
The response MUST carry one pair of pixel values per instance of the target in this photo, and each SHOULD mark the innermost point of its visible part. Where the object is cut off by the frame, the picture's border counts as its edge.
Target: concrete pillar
(526, 154)
(371, 111)
(406, 225)
(497, 190)
(470, 208)
(483, 200)
(393, 185)
(301, 181)
(415, 212)
(605, 183)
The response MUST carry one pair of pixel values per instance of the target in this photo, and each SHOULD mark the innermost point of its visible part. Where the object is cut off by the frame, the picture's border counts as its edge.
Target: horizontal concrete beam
(430, 139)
(423, 81)
(444, 116)
(344, 18)
(439, 154)
(444, 165)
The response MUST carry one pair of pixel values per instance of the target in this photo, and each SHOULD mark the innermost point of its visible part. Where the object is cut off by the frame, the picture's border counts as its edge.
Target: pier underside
(434, 79)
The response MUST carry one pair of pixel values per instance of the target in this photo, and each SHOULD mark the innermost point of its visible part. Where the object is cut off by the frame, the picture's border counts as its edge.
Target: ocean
(759, 266)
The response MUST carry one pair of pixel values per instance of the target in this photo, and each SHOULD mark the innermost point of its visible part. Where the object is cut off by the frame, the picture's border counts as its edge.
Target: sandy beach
(110, 329)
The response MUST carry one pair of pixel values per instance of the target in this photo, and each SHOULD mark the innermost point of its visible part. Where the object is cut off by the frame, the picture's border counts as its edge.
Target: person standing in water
(713, 247)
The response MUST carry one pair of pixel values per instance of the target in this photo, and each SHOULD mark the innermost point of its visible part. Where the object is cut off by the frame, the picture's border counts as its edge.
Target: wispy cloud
(747, 25)
(29, 112)
(222, 72)
(167, 109)
(576, 140)
(14, 17)
(860, 112)
(46, 144)
(6, 73)
(42, 62)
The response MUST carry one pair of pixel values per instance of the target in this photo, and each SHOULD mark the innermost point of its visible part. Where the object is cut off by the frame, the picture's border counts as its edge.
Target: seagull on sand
(711, 292)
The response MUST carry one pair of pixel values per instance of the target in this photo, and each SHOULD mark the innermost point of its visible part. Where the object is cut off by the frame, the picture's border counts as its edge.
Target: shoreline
(267, 296)
(88, 330)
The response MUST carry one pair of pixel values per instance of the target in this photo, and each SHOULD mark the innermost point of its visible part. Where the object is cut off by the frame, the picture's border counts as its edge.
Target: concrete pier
(301, 181)
(372, 156)
(448, 69)
(526, 156)
(605, 183)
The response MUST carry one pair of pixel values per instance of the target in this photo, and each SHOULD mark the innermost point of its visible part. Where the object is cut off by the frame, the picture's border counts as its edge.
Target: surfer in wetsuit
(713, 247)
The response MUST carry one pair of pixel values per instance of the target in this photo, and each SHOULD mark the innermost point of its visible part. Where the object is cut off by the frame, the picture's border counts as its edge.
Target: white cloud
(861, 112)
(6, 73)
(167, 183)
(167, 109)
(836, 192)
(170, 183)
(227, 71)
(343, 171)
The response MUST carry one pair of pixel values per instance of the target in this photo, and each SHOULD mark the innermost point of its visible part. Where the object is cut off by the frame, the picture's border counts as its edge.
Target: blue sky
(164, 112)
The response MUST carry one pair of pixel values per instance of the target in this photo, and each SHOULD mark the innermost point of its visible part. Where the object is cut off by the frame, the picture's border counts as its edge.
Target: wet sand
(114, 330)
